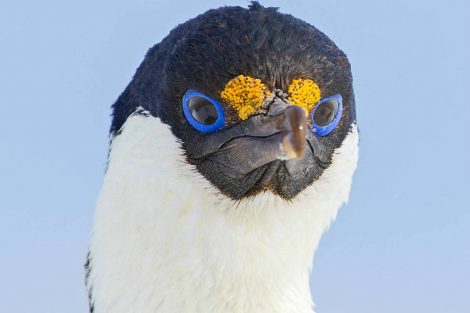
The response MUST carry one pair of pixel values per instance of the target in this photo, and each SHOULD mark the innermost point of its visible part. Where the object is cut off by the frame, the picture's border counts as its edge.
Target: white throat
(165, 240)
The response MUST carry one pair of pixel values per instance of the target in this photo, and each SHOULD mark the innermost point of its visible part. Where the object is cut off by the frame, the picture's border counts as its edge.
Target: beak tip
(292, 148)
(293, 144)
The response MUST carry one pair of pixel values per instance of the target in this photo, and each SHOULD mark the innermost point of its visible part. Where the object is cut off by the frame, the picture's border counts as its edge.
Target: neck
(165, 241)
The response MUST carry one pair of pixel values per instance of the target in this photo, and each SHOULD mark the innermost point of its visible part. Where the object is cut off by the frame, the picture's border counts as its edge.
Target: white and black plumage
(228, 220)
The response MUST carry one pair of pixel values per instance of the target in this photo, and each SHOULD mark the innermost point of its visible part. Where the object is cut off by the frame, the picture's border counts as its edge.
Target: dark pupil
(203, 110)
(325, 113)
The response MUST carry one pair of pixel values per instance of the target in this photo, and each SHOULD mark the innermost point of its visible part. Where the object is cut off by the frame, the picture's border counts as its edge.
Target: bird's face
(259, 100)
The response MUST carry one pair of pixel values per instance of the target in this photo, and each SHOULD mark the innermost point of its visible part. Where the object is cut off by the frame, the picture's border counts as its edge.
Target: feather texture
(165, 240)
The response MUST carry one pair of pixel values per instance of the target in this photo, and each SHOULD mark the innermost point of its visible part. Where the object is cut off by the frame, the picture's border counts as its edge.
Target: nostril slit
(276, 103)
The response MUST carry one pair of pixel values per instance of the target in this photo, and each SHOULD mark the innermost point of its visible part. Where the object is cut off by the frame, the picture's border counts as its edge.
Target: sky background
(402, 244)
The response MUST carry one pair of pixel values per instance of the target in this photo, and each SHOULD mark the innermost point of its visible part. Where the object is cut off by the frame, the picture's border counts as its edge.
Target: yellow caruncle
(246, 94)
(304, 93)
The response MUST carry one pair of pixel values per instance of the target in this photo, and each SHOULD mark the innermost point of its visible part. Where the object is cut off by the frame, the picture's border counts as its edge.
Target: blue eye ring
(324, 130)
(203, 128)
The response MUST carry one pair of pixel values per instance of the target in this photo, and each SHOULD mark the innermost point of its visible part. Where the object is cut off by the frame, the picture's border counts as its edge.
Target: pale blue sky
(401, 245)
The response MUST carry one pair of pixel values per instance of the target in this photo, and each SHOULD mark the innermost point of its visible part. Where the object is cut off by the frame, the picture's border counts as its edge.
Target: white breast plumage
(165, 240)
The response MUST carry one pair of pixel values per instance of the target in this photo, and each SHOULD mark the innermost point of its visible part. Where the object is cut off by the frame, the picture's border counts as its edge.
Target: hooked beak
(259, 140)
(293, 143)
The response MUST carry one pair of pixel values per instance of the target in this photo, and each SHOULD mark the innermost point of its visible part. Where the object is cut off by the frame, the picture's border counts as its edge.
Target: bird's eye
(202, 112)
(326, 115)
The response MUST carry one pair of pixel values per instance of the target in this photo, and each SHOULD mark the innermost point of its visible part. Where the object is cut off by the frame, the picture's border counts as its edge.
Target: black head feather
(208, 51)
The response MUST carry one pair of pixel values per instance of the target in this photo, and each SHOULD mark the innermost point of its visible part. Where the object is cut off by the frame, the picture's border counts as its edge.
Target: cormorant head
(259, 100)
